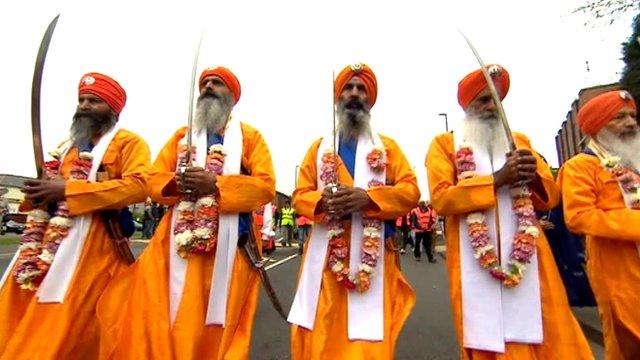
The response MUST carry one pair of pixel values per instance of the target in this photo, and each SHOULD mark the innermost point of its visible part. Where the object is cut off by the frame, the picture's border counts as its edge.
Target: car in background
(13, 223)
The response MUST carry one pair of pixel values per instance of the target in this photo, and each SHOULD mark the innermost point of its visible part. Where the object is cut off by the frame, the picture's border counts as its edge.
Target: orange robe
(563, 338)
(594, 206)
(329, 340)
(134, 311)
(31, 330)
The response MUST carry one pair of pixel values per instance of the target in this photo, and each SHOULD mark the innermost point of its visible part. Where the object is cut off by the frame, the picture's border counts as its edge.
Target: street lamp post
(446, 122)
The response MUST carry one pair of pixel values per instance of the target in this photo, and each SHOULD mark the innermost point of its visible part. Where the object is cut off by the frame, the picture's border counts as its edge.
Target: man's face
(483, 106)
(93, 118)
(214, 87)
(623, 124)
(355, 93)
(92, 106)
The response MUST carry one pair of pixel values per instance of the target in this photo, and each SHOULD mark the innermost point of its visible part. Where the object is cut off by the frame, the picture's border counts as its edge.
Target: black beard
(87, 125)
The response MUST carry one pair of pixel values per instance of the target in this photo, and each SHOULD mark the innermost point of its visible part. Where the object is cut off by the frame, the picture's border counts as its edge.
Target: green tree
(630, 79)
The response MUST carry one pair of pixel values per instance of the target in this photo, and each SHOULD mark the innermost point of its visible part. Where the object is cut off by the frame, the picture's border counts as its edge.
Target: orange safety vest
(425, 219)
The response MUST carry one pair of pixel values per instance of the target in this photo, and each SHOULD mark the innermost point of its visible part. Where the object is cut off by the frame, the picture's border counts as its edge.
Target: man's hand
(198, 180)
(345, 201)
(44, 191)
(520, 167)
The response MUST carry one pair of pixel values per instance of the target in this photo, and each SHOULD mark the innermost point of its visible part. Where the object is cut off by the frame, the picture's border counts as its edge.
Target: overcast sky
(284, 53)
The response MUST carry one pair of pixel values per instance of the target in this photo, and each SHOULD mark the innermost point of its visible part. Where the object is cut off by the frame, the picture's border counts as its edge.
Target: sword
(247, 243)
(36, 87)
(334, 186)
(194, 68)
(503, 118)
(494, 94)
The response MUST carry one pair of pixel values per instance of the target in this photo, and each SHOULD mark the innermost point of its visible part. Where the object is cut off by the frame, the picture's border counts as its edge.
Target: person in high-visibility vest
(423, 220)
(287, 223)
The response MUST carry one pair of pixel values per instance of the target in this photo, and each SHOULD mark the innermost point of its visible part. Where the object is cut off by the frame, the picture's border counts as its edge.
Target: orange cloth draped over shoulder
(134, 311)
(563, 338)
(328, 339)
(70, 330)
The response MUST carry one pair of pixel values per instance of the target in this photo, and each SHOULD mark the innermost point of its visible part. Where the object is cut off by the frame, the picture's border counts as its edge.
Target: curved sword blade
(192, 90)
(494, 93)
(36, 86)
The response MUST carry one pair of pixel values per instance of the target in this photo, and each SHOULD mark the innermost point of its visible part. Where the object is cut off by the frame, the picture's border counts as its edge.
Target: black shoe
(418, 259)
(433, 260)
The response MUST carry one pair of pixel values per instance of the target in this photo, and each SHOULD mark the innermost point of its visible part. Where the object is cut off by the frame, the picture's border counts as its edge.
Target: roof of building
(12, 181)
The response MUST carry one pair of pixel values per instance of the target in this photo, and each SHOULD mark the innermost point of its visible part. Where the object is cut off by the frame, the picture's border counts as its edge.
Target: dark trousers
(287, 233)
(404, 238)
(426, 238)
(147, 229)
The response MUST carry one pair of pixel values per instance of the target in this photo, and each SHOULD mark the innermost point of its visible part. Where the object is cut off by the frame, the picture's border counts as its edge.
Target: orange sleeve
(551, 197)
(402, 193)
(244, 193)
(132, 161)
(447, 196)
(307, 196)
(582, 215)
(162, 182)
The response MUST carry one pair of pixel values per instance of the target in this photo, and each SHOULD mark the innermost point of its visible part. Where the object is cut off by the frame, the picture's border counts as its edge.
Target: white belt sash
(227, 243)
(365, 310)
(493, 314)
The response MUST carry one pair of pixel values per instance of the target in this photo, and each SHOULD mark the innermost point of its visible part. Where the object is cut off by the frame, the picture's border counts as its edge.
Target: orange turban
(365, 74)
(105, 88)
(474, 83)
(229, 79)
(597, 112)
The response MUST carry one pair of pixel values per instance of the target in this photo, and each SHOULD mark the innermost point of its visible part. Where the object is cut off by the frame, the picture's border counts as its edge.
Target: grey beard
(86, 127)
(353, 122)
(628, 148)
(212, 113)
(486, 134)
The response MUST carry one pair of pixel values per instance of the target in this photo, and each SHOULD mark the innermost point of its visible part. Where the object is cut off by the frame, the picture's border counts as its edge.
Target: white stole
(491, 313)
(365, 310)
(227, 243)
(55, 284)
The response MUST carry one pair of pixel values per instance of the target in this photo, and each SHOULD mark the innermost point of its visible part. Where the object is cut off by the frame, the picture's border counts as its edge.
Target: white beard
(486, 135)
(212, 114)
(627, 149)
(353, 123)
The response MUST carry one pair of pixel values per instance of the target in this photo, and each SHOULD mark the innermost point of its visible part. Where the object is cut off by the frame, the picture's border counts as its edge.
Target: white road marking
(281, 262)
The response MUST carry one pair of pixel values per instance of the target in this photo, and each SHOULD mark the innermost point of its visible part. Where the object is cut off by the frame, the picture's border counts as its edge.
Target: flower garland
(197, 220)
(42, 236)
(371, 232)
(524, 241)
(628, 179)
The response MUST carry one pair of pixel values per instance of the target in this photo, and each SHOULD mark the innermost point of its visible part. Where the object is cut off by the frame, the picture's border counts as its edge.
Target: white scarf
(227, 236)
(55, 284)
(491, 313)
(365, 310)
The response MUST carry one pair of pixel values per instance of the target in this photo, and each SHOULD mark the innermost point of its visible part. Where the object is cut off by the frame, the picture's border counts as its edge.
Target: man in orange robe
(58, 320)
(168, 306)
(596, 204)
(328, 320)
(531, 320)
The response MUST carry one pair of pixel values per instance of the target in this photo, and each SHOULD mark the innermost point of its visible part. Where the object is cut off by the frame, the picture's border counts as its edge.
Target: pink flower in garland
(372, 228)
(523, 245)
(196, 226)
(43, 235)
